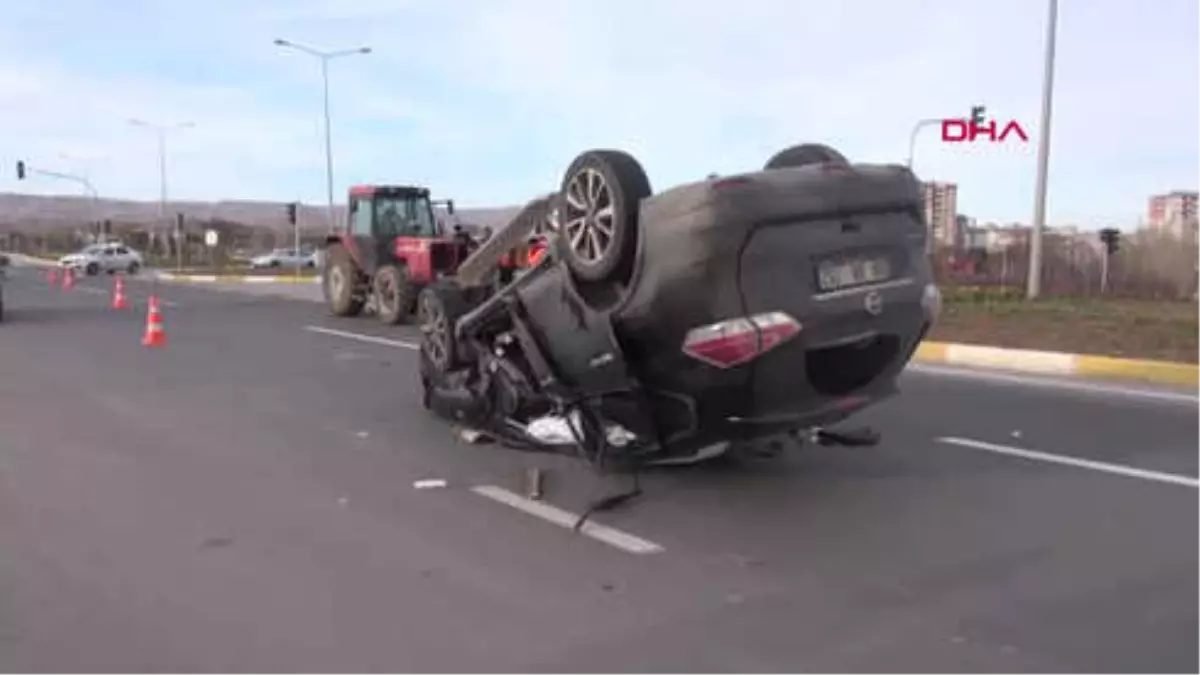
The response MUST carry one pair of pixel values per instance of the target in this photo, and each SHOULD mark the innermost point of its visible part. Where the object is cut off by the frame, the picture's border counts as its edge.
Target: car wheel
(133, 268)
(92, 269)
(394, 294)
(805, 154)
(338, 284)
(439, 307)
(598, 214)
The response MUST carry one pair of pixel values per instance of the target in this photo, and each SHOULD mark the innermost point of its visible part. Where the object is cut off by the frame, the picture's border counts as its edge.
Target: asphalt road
(244, 500)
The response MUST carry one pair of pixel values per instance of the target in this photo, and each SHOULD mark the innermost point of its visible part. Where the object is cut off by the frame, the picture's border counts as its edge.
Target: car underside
(734, 313)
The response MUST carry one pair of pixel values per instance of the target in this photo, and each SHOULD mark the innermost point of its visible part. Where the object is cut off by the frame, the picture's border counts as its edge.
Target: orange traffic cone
(52, 276)
(118, 301)
(68, 279)
(155, 336)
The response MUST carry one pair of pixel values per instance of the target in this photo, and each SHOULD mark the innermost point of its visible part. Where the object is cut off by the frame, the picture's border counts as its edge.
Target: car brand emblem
(873, 303)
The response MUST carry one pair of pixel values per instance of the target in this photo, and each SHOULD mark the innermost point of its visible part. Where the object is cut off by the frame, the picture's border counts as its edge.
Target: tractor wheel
(598, 214)
(339, 281)
(805, 154)
(394, 294)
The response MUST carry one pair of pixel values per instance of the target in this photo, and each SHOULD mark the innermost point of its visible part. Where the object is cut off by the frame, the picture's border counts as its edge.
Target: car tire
(439, 307)
(92, 269)
(133, 268)
(339, 283)
(804, 155)
(601, 181)
(394, 294)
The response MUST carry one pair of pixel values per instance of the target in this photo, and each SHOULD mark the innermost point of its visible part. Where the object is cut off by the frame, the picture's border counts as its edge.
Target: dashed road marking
(565, 519)
(372, 339)
(1092, 465)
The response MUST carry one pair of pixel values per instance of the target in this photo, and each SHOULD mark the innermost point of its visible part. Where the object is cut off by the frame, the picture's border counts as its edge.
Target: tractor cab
(390, 222)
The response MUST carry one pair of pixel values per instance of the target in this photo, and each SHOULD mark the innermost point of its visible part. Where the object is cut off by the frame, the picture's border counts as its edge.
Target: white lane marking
(565, 519)
(1105, 467)
(1070, 385)
(363, 338)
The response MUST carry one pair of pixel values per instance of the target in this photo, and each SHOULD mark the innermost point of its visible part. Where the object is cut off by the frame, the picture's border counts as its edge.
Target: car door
(123, 257)
(361, 231)
(108, 259)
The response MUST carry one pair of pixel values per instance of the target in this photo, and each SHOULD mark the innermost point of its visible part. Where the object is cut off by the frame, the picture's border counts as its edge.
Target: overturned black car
(740, 311)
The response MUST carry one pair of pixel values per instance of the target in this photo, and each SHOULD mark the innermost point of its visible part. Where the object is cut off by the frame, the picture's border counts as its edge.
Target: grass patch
(1141, 329)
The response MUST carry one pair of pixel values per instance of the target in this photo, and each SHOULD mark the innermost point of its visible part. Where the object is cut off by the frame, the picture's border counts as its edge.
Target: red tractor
(392, 247)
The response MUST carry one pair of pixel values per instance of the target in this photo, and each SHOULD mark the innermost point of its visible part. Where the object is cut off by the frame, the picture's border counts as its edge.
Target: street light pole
(325, 57)
(1039, 206)
(912, 138)
(160, 131)
(328, 144)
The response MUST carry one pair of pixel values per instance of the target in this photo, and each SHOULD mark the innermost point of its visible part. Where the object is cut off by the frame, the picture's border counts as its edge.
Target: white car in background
(284, 258)
(108, 257)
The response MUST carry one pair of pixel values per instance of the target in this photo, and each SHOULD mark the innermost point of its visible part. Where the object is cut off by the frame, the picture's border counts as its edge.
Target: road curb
(1058, 363)
(32, 260)
(236, 279)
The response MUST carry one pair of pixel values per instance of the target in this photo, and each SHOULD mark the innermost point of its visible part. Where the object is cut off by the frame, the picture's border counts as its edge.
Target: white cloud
(489, 99)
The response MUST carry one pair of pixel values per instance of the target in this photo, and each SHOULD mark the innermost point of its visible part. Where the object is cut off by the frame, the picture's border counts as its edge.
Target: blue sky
(487, 101)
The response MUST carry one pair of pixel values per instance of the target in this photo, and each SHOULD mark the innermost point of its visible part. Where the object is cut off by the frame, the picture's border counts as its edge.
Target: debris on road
(429, 484)
(473, 436)
(534, 483)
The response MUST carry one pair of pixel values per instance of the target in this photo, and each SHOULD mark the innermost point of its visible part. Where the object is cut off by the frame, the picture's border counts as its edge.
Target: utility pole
(1034, 288)
(325, 57)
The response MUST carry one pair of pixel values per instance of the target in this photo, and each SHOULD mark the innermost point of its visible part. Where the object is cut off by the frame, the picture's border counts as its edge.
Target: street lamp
(912, 137)
(1039, 204)
(160, 131)
(325, 57)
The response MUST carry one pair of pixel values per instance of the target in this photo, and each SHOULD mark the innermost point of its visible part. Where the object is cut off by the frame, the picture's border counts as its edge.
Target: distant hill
(37, 212)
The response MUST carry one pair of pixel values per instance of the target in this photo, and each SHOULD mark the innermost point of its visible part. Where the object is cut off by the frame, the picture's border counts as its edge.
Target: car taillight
(536, 251)
(731, 343)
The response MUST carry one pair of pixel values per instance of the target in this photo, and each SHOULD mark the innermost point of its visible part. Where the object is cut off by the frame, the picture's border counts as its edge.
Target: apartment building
(941, 213)
(1172, 213)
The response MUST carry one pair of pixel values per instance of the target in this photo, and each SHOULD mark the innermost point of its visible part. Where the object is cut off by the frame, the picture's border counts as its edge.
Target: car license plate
(837, 273)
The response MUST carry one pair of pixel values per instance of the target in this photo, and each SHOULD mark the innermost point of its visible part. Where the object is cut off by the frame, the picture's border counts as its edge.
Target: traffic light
(977, 115)
(20, 169)
(1111, 238)
(291, 213)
